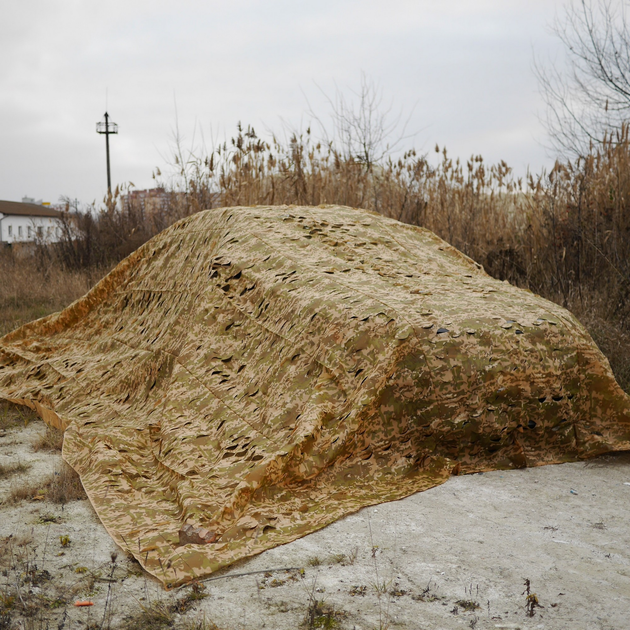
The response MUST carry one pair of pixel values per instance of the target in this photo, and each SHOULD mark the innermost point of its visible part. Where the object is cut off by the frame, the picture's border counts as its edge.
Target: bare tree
(365, 129)
(588, 99)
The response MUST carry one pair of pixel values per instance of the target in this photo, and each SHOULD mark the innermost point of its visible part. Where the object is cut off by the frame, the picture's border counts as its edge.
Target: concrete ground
(456, 556)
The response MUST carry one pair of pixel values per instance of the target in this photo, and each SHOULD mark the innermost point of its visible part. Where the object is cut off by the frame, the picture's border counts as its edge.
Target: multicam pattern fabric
(252, 374)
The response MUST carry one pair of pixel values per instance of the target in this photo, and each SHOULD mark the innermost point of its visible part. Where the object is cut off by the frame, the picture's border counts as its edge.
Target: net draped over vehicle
(252, 374)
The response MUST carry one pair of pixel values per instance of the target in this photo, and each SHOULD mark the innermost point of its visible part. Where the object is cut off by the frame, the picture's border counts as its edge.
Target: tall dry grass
(33, 288)
(564, 234)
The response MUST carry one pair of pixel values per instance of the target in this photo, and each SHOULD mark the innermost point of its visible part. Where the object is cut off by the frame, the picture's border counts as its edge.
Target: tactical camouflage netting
(252, 374)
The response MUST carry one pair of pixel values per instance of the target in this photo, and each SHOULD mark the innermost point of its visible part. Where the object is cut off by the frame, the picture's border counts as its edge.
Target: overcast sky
(465, 65)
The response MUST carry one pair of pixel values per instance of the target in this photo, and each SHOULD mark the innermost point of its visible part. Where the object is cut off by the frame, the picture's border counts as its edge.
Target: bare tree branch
(366, 130)
(589, 99)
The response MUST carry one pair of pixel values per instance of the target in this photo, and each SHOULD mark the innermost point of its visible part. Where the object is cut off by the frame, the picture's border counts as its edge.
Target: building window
(10, 230)
(20, 231)
(40, 231)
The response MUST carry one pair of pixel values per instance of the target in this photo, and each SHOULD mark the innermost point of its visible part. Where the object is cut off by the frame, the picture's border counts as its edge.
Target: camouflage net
(252, 374)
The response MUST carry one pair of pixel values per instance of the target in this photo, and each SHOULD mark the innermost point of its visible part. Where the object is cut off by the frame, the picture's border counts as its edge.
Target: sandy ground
(456, 556)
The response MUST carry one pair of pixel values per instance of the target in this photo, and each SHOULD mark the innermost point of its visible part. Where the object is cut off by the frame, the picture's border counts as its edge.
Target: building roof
(27, 209)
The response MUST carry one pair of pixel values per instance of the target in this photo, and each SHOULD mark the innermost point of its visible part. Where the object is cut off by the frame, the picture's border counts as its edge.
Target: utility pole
(107, 127)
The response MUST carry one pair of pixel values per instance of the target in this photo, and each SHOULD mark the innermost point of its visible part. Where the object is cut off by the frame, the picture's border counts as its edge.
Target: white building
(28, 222)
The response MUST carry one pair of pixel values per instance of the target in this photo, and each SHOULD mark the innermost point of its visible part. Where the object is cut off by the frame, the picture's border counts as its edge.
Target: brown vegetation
(61, 487)
(14, 415)
(564, 234)
(8, 470)
(34, 285)
(50, 440)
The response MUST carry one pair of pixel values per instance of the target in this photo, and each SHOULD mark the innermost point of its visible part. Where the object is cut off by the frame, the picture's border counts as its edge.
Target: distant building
(29, 222)
(152, 202)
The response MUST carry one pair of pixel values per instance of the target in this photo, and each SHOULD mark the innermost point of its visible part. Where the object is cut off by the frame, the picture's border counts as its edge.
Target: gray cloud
(466, 67)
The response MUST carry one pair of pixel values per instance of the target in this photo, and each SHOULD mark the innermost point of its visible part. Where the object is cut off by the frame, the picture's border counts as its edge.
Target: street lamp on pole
(107, 127)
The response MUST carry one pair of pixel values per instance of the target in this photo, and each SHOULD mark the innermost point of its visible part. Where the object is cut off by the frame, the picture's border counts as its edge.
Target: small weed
(54, 603)
(22, 541)
(35, 577)
(319, 614)
(46, 519)
(155, 615)
(381, 586)
(64, 540)
(199, 624)
(26, 492)
(282, 607)
(531, 604)
(426, 598)
(352, 556)
(397, 592)
(30, 596)
(196, 592)
(51, 440)
(88, 586)
(343, 558)
(8, 470)
(12, 415)
(60, 487)
(426, 595)
(358, 591)
(322, 615)
(531, 600)
(80, 569)
(338, 558)
(65, 486)
(314, 562)
(468, 604)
